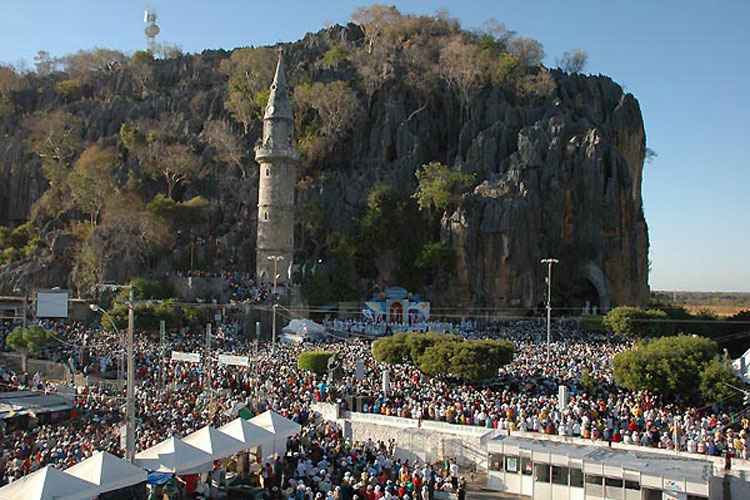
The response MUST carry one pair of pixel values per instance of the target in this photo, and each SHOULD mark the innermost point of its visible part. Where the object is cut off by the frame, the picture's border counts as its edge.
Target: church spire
(279, 102)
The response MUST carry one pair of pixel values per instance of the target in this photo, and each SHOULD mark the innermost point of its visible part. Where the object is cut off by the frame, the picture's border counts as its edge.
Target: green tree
(335, 56)
(480, 359)
(717, 378)
(69, 90)
(92, 181)
(633, 322)
(392, 349)
(438, 358)
(29, 341)
(440, 186)
(314, 361)
(418, 343)
(250, 71)
(593, 324)
(667, 366)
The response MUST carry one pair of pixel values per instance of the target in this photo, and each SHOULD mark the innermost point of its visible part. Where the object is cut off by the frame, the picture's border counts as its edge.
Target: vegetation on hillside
(131, 198)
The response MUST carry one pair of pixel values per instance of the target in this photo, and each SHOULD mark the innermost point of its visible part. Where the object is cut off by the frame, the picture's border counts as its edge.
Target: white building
(561, 471)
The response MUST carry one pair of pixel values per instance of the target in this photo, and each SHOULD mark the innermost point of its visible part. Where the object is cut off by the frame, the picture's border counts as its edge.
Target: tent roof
(173, 455)
(300, 325)
(276, 424)
(249, 433)
(108, 472)
(48, 484)
(215, 442)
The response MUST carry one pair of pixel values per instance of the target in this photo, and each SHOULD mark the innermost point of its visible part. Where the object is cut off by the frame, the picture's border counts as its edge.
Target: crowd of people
(177, 398)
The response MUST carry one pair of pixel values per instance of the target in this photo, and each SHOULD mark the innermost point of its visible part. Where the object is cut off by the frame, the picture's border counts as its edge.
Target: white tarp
(47, 484)
(299, 330)
(279, 426)
(173, 455)
(52, 305)
(226, 359)
(218, 444)
(190, 357)
(250, 434)
(108, 472)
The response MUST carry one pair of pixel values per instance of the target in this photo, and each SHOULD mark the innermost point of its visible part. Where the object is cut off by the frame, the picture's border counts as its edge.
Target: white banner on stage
(190, 357)
(226, 359)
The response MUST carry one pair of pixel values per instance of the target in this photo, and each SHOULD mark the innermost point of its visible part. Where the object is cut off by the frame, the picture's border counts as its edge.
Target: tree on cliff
(92, 181)
(227, 145)
(441, 187)
(250, 72)
(573, 61)
(56, 137)
(463, 66)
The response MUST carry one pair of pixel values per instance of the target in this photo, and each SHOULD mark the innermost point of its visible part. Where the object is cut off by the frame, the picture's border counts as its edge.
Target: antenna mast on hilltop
(149, 16)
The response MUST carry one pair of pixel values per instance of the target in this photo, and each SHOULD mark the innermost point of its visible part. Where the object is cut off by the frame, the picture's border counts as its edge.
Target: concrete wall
(275, 217)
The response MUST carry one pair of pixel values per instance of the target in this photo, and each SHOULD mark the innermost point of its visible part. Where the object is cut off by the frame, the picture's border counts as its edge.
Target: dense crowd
(179, 398)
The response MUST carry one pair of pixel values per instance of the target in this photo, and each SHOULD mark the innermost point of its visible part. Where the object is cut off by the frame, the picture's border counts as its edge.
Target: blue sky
(687, 62)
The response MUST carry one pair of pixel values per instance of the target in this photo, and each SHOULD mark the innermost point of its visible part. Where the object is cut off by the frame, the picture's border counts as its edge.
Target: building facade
(278, 162)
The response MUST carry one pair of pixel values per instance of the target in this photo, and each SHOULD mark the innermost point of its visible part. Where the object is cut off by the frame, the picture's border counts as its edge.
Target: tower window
(268, 171)
(265, 215)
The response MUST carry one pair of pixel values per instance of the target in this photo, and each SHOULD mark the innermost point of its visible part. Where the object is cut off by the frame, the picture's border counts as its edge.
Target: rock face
(557, 178)
(571, 190)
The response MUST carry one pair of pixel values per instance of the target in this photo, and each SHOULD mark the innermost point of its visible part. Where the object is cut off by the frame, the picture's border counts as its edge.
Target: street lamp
(130, 396)
(275, 259)
(549, 263)
(97, 309)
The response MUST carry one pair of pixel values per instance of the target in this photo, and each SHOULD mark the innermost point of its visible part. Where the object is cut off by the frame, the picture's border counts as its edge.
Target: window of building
(560, 475)
(576, 477)
(527, 467)
(649, 494)
(613, 488)
(541, 473)
(594, 485)
(265, 215)
(632, 485)
(496, 461)
(268, 171)
(613, 482)
(511, 464)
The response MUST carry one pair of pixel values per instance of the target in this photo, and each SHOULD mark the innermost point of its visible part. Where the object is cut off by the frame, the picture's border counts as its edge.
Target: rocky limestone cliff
(559, 178)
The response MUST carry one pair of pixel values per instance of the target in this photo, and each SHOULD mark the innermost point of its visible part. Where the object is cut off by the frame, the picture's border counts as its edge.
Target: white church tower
(278, 161)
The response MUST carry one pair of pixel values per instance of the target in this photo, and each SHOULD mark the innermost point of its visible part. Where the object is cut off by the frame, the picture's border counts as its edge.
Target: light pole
(273, 330)
(275, 259)
(97, 309)
(130, 395)
(549, 263)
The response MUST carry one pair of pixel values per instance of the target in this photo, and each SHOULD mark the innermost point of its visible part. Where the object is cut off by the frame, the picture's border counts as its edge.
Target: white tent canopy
(249, 434)
(173, 455)
(299, 330)
(108, 472)
(48, 484)
(279, 426)
(218, 444)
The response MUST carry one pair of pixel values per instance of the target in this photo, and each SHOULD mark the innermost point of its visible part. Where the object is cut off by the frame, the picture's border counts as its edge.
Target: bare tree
(527, 50)
(227, 145)
(463, 67)
(573, 61)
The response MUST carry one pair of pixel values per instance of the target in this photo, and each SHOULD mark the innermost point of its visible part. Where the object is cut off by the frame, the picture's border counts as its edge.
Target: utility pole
(130, 394)
(208, 356)
(130, 410)
(162, 368)
(273, 330)
(275, 259)
(549, 263)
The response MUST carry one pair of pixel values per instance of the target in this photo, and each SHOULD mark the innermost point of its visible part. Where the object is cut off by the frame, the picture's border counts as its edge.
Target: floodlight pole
(549, 263)
(273, 330)
(130, 393)
(130, 409)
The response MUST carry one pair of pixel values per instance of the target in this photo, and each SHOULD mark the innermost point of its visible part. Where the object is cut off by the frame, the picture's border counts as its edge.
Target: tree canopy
(670, 366)
(29, 340)
(633, 322)
(440, 186)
